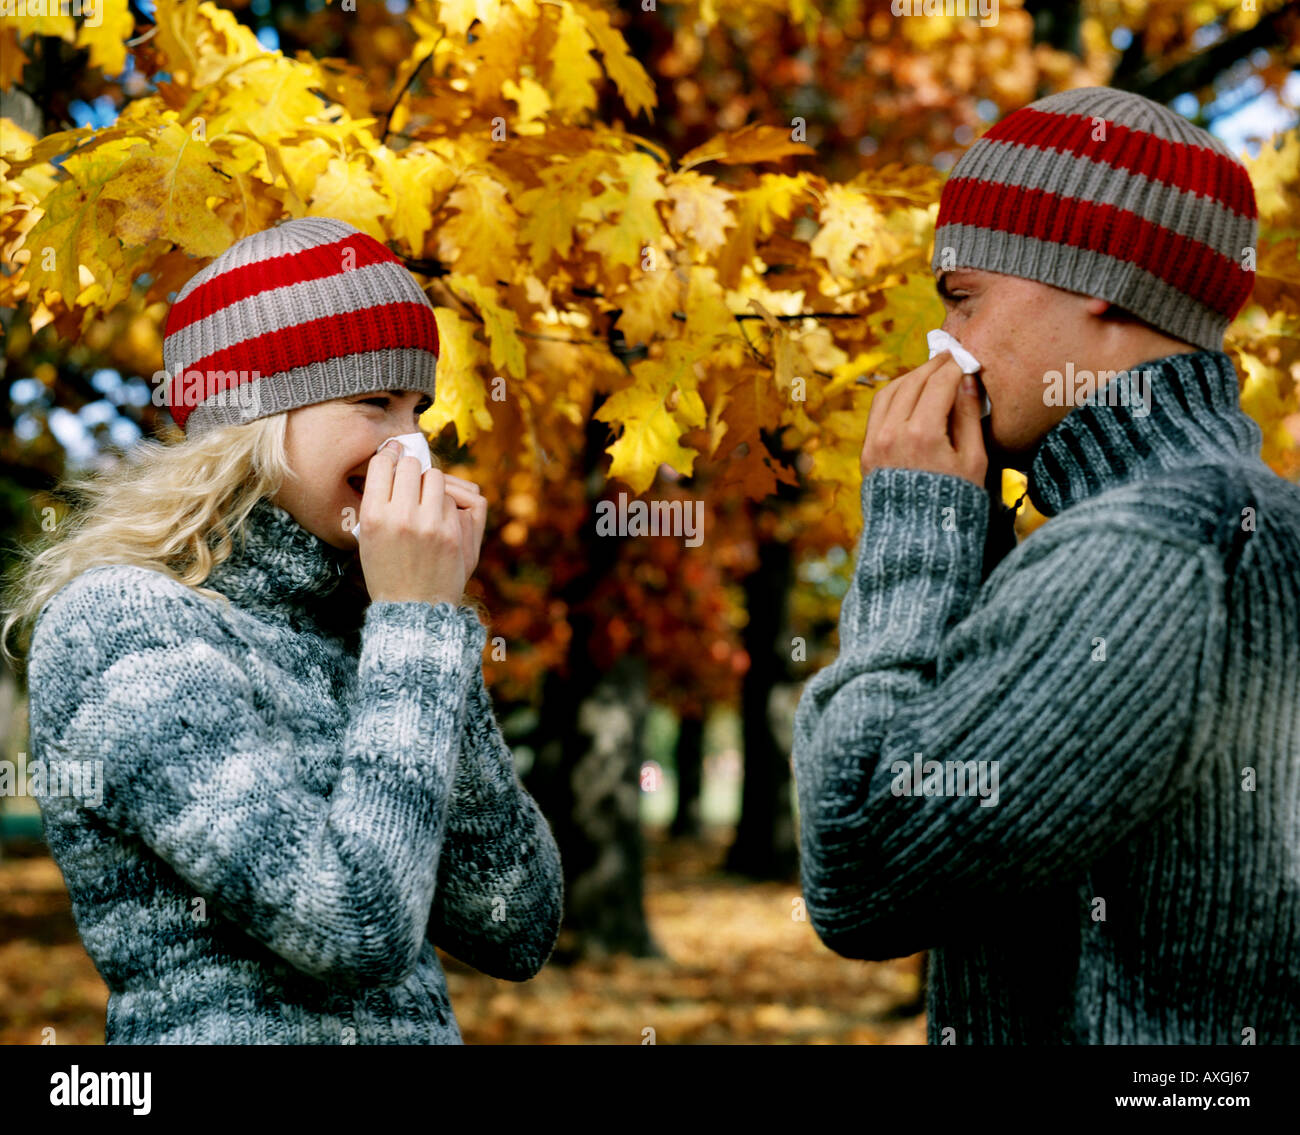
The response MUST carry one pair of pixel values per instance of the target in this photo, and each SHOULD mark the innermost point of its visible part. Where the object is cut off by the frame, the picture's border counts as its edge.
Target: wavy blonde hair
(156, 508)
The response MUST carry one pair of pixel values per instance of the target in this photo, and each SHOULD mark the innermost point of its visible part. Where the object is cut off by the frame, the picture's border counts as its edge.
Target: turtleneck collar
(1186, 412)
(280, 566)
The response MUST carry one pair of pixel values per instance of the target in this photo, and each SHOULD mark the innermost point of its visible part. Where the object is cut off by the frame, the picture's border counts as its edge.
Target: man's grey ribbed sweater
(1134, 668)
(335, 790)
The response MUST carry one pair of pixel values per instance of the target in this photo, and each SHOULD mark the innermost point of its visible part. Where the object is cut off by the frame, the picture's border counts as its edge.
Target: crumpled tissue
(939, 340)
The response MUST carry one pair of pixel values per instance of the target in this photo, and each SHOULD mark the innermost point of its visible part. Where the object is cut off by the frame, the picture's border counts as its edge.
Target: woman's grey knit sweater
(1133, 667)
(295, 807)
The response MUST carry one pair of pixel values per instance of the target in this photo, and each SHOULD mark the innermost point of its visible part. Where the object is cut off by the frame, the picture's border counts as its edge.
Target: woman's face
(329, 446)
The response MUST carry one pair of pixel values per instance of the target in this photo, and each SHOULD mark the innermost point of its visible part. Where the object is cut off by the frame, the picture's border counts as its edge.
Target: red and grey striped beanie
(1109, 195)
(305, 312)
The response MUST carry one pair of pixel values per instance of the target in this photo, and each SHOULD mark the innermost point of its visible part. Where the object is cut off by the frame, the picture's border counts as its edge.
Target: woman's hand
(927, 419)
(420, 534)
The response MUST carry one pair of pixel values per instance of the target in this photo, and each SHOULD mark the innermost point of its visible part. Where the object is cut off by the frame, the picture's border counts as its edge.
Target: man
(1076, 782)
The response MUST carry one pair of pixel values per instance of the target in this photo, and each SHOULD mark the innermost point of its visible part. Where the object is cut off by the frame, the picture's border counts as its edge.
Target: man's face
(1019, 330)
(329, 445)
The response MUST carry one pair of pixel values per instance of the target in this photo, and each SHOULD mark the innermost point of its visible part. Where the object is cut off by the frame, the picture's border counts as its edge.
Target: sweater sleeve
(1075, 680)
(137, 672)
(499, 898)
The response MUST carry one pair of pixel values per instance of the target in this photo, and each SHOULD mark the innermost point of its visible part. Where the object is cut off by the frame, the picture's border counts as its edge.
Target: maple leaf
(480, 240)
(753, 143)
(67, 235)
(413, 181)
(631, 79)
(348, 191)
(911, 309)
(501, 323)
(701, 209)
(163, 188)
(574, 71)
(107, 39)
(651, 432)
(460, 398)
(1275, 175)
(631, 194)
(457, 15)
(551, 211)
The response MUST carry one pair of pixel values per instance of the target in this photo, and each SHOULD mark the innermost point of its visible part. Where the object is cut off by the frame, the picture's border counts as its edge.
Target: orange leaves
(746, 146)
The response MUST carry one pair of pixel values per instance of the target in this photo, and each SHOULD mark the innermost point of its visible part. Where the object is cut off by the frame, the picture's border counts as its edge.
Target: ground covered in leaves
(737, 969)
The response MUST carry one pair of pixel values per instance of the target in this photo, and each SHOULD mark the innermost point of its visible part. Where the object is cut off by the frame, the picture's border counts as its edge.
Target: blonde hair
(156, 508)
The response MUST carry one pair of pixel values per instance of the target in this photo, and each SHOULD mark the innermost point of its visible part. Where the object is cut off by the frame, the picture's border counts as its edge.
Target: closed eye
(421, 408)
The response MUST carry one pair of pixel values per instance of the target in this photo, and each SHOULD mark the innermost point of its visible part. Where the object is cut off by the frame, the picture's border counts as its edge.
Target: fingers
(935, 399)
(898, 397)
(968, 429)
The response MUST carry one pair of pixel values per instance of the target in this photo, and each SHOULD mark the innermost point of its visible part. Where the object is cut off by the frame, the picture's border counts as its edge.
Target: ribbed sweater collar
(279, 565)
(1194, 417)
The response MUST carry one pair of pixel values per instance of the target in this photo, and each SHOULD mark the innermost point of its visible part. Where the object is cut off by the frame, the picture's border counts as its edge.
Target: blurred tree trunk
(764, 846)
(586, 776)
(689, 761)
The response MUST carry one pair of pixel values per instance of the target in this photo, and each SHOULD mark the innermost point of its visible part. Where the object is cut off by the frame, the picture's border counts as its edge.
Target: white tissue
(939, 340)
(415, 445)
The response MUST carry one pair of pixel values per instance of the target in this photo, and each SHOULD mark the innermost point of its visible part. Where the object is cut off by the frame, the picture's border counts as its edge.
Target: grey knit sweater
(1133, 666)
(295, 806)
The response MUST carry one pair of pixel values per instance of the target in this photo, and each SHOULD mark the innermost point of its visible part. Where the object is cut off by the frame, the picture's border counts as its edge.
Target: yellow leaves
(859, 238)
(480, 240)
(457, 15)
(1275, 174)
(459, 395)
(163, 188)
(68, 233)
(574, 71)
(911, 309)
(347, 190)
(532, 100)
(106, 39)
(552, 210)
(270, 97)
(651, 431)
(634, 85)
(757, 210)
(630, 195)
(501, 323)
(701, 210)
(746, 146)
(414, 180)
(12, 59)
(201, 42)
(648, 304)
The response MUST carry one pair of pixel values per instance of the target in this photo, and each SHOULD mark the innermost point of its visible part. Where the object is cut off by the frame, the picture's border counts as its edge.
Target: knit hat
(305, 312)
(1109, 195)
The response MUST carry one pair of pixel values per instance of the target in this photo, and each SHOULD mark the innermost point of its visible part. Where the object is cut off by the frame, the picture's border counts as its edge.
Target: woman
(303, 783)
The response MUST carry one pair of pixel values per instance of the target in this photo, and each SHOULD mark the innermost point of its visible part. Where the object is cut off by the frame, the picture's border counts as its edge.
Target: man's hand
(928, 419)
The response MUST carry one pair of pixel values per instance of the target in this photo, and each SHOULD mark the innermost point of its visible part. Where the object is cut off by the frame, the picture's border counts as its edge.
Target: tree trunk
(586, 776)
(689, 761)
(764, 847)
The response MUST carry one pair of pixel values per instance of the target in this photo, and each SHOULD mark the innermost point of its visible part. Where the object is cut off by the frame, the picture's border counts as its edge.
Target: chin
(1015, 456)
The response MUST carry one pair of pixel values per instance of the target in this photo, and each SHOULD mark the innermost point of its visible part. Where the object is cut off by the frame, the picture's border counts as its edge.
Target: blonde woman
(300, 784)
